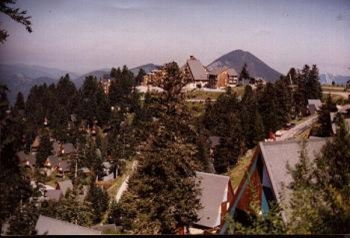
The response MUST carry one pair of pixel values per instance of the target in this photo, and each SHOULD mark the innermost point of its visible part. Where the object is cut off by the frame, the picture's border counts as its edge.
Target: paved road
(124, 185)
(291, 133)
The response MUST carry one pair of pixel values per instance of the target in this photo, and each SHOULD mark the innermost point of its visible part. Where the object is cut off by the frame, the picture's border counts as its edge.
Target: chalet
(67, 149)
(52, 162)
(153, 78)
(267, 177)
(314, 105)
(64, 166)
(197, 71)
(26, 159)
(222, 77)
(216, 199)
(51, 226)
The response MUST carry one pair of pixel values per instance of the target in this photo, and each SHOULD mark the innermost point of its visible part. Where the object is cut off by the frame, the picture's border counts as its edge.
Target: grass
(237, 173)
(200, 94)
(113, 189)
(304, 135)
(333, 88)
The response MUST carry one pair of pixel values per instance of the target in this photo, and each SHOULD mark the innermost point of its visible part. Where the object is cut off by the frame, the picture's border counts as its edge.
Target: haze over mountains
(20, 77)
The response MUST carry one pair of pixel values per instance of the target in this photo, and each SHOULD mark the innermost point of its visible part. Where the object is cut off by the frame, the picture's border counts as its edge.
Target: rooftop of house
(65, 185)
(277, 155)
(197, 69)
(53, 194)
(64, 165)
(316, 102)
(23, 157)
(50, 226)
(217, 71)
(213, 188)
(68, 148)
(53, 160)
(56, 147)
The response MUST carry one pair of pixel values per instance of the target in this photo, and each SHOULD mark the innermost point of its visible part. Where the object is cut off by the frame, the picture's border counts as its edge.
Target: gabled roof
(53, 194)
(197, 69)
(54, 160)
(50, 226)
(68, 148)
(65, 185)
(277, 155)
(64, 165)
(232, 72)
(213, 188)
(23, 157)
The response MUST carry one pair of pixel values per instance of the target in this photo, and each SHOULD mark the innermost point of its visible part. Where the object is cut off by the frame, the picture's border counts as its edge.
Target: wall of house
(222, 80)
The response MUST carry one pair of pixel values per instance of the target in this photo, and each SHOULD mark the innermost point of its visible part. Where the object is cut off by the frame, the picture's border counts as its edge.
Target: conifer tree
(139, 77)
(162, 194)
(99, 200)
(44, 150)
(19, 104)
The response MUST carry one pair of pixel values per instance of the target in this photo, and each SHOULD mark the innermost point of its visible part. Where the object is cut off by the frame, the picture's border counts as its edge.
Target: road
(291, 133)
(124, 185)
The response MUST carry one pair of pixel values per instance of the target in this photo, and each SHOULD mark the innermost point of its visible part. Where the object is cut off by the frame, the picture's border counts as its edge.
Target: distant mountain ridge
(237, 58)
(328, 78)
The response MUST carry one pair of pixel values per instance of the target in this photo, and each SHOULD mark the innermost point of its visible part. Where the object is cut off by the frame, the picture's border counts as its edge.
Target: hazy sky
(84, 35)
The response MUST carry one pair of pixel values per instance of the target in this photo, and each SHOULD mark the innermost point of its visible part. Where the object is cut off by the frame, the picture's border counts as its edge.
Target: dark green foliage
(283, 102)
(139, 77)
(231, 145)
(319, 200)
(69, 209)
(93, 102)
(121, 89)
(162, 194)
(19, 104)
(268, 108)
(244, 75)
(15, 14)
(324, 118)
(15, 186)
(98, 197)
(23, 221)
(253, 128)
(44, 150)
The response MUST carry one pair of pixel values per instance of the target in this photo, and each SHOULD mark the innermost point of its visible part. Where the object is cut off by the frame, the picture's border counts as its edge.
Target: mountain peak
(236, 60)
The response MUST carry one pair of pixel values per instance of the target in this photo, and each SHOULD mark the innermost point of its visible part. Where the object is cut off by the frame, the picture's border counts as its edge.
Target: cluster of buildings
(202, 77)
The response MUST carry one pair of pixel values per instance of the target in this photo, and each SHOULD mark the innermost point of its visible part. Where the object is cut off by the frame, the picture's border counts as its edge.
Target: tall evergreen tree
(19, 104)
(139, 77)
(44, 150)
(99, 200)
(162, 194)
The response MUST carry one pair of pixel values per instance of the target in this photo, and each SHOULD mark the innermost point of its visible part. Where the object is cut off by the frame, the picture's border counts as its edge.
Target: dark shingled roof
(68, 148)
(64, 165)
(23, 157)
(50, 226)
(213, 188)
(53, 160)
(197, 69)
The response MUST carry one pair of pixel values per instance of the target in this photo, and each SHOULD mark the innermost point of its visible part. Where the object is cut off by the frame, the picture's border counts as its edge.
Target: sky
(85, 35)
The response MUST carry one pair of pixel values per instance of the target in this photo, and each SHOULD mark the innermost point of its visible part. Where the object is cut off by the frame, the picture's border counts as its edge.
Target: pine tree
(319, 202)
(252, 124)
(244, 75)
(324, 118)
(139, 77)
(268, 109)
(23, 221)
(162, 194)
(44, 150)
(283, 102)
(69, 209)
(19, 104)
(99, 200)
(14, 184)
